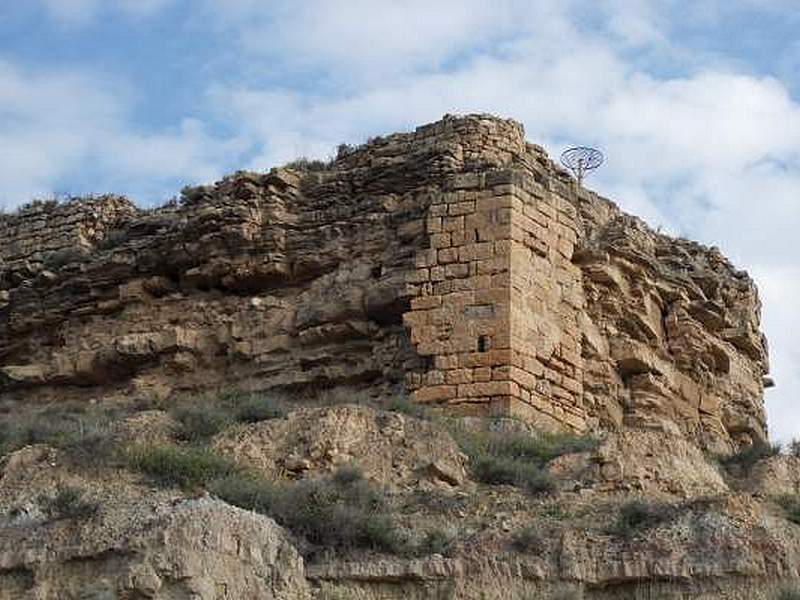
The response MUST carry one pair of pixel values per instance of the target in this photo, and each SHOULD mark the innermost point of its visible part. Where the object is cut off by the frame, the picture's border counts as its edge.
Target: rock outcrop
(636, 462)
(196, 549)
(457, 260)
(390, 449)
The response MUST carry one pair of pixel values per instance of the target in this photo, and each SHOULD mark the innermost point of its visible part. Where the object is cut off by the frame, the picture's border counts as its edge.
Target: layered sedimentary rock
(457, 260)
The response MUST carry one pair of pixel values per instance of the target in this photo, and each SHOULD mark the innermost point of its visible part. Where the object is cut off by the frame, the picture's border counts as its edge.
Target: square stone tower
(498, 300)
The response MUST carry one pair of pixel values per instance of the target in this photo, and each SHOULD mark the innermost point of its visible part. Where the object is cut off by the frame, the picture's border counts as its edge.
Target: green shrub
(68, 503)
(527, 540)
(248, 491)
(201, 418)
(498, 470)
(339, 512)
(791, 507)
(330, 514)
(744, 459)
(85, 433)
(788, 594)
(12, 437)
(200, 421)
(309, 165)
(538, 448)
(555, 511)
(255, 407)
(543, 447)
(94, 447)
(639, 515)
(347, 475)
(436, 501)
(517, 458)
(404, 405)
(794, 448)
(188, 467)
(343, 150)
(194, 194)
(435, 541)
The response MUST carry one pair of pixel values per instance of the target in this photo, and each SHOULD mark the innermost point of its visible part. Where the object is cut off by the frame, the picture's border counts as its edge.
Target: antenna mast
(580, 160)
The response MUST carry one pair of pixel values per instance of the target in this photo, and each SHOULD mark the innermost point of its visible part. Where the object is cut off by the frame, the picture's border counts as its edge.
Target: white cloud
(364, 40)
(56, 124)
(45, 129)
(150, 164)
(635, 22)
(712, 120)
(779, 289)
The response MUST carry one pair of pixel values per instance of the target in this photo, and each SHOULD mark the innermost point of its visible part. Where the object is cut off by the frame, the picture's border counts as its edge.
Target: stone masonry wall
(498, 301)
(460, 316)
(546, 303)
(49, 234)
(456, 260)
(43, 229)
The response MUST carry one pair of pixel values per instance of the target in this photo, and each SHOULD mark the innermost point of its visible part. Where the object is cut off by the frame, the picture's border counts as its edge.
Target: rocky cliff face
(457, 260)
(682, 344)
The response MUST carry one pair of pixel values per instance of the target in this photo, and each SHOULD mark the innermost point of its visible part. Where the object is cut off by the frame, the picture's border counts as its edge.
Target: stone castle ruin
(458, 261)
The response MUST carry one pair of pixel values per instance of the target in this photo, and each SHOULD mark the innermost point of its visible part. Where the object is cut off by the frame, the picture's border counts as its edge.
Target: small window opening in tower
(377, 271)
(483, 343)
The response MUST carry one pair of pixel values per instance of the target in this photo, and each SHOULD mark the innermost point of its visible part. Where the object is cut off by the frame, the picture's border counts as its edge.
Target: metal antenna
(580, 160)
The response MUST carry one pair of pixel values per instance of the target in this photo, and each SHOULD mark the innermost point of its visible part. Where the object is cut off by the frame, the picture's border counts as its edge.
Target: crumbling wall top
(43, 232)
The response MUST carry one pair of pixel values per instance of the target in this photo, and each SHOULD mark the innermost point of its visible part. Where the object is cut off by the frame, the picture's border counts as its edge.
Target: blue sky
(696, 105)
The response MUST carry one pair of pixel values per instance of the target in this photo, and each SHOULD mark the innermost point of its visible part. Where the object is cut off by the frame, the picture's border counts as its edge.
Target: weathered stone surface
(200, 549)
(390, 449)
(457, 258)
(644, 462)
(730, 551)
(668, 312)
(775, 476)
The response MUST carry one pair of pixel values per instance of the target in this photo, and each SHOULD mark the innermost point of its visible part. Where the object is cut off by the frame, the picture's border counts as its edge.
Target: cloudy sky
(697, 105)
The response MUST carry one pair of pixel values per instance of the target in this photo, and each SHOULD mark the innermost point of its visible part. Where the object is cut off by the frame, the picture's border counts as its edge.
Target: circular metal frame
(580, 160)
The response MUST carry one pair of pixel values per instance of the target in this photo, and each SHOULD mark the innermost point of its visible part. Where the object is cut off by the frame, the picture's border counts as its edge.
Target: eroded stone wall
(457, 260)
(248, 278)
